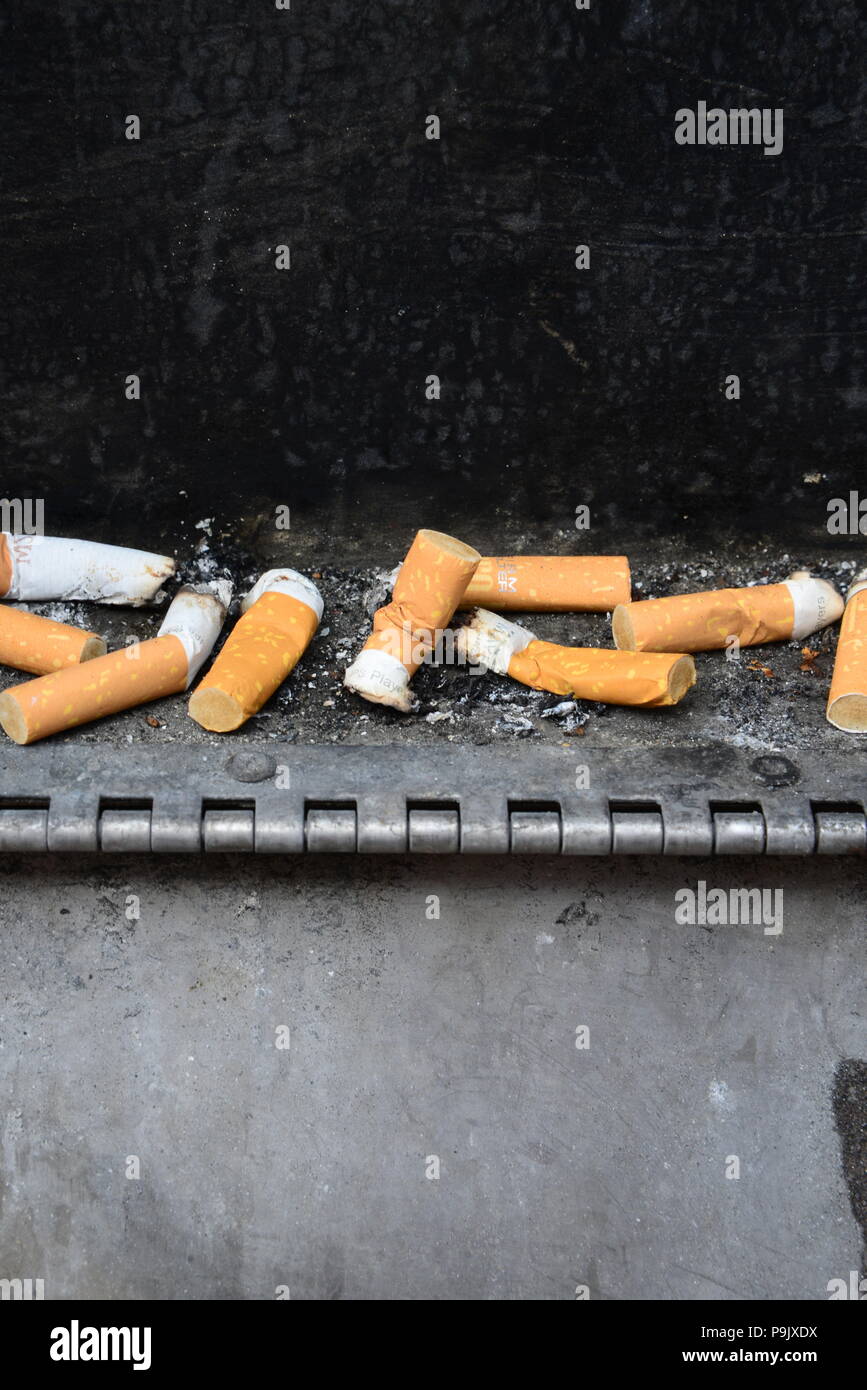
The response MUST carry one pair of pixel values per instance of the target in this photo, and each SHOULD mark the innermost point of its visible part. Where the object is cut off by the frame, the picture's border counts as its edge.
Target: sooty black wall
(307, 127)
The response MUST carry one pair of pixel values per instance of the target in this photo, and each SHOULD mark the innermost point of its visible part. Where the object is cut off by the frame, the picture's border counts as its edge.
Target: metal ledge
(294, 800)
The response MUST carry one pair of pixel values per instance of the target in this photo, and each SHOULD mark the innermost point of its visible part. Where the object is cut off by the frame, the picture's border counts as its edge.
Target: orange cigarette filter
(427, 591)
(41, 645)
(550, 583)
(5, 565)
(705, 621)
(847, 698)
(164, 665)
(585, 673)
(282, 612)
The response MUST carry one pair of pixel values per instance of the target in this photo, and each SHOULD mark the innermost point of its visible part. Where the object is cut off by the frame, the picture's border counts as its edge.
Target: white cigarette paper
(36, 568)
(195, 616)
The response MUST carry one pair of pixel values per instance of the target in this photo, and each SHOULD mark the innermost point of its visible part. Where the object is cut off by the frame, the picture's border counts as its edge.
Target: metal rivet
(776, 771)
(251, 766)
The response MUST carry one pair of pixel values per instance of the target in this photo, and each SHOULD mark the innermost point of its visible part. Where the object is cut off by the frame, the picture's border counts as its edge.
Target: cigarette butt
(427, 591)
(163, 665)
(705, 621)
(550, 583)
(584, 673)
(40, 645)
(281, 614)
(34, 568)
(847, 698)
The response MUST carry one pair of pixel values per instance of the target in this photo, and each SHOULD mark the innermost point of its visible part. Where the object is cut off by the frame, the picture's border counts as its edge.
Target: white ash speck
(557, 711)
(516, 725)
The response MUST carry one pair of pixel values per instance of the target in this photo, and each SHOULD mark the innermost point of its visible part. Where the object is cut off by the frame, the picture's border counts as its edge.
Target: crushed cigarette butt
(427, 591)
(588, 673)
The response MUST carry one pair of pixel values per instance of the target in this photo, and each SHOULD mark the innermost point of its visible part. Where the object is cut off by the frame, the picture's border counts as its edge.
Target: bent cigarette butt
(427, 591)
(40, 645)
(550, 583)
(33, 568)
(847, 698)
(584, 673)
(281, 614)
(163, 665)
(704, 621)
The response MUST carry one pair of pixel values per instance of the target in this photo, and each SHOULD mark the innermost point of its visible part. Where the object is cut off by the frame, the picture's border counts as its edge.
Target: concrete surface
(413, 1037)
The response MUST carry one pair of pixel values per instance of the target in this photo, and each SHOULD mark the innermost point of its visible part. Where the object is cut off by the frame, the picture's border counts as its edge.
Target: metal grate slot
(331, 827)
(738, 827)
(433, 827)
(228, 825)
(636, 827)
(125, 824)
(24, 823)
(841, 827)
(535, 827)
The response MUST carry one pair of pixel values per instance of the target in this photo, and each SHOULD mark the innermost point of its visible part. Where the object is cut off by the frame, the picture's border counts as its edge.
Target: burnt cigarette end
(382, 679)
(490, 640)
